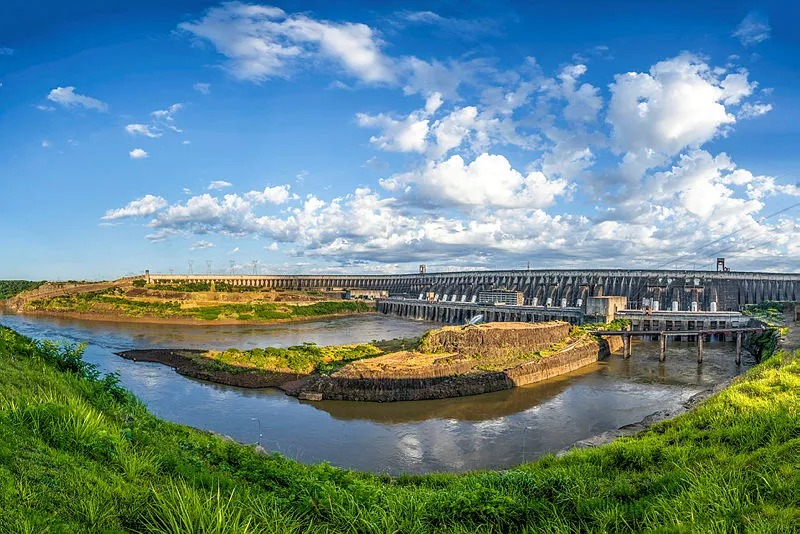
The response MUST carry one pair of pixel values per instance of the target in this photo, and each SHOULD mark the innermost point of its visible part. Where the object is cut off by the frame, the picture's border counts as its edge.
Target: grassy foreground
(78, 454)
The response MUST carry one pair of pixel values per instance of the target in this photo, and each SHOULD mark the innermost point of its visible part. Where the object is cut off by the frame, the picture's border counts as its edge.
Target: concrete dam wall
(729, 290)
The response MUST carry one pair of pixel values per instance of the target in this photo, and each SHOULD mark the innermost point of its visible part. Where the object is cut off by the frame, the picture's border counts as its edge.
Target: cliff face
(494, 339)
(454, 362)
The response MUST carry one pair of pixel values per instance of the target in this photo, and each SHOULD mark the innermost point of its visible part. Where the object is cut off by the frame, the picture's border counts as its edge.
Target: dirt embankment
(193, 364)
(478, 359)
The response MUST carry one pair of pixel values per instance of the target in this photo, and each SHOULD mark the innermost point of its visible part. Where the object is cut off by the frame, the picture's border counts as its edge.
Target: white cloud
(42, 107)
(751, 110)
(219, 184)
(272, 246)
(5, 51)
(202, 245)
(274, 195)
(67, 97)
(138, 153)
(142, 129)
(406, 135)
(46, 144)
(203, 88)
(680, 102)
(489, 180)
(261, 42)
(753, 29)
(165, 118)
(147, 205)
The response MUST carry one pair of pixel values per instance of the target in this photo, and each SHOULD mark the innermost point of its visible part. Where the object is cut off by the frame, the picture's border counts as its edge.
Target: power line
(726, 236)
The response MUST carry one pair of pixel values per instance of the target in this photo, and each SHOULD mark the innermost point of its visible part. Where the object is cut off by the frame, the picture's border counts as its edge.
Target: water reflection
(495, 430)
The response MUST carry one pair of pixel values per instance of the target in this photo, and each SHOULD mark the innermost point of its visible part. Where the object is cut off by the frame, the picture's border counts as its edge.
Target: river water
(490, 431)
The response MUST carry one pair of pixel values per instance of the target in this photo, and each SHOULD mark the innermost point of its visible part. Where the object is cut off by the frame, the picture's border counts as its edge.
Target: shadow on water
(495, 430)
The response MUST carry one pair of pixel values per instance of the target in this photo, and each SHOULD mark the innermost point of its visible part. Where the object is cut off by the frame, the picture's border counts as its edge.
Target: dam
(720, 290)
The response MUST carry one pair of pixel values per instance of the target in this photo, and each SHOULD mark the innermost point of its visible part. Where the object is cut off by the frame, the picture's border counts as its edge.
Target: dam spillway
(728, 290)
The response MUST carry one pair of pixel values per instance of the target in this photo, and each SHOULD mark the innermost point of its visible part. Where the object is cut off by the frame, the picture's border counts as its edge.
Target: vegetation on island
(78, 453)
(11, 288)
(305, 358)
(114, 302)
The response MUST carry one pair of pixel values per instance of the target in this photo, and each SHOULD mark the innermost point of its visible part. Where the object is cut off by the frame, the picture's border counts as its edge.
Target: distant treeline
(9, 288)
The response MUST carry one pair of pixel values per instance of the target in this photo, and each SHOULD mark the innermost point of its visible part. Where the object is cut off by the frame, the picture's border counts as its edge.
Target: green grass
(304, 358)
(78, 454)
(109, 301)
(10, 288)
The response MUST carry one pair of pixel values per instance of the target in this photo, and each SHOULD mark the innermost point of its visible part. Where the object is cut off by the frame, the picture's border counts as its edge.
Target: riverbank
(185, 321)
(77, 453)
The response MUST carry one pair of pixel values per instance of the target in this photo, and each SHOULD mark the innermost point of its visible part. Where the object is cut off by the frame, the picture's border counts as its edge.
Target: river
(490, 431)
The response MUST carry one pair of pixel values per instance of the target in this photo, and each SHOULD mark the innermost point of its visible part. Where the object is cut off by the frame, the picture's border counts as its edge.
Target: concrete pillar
(713, 306)
(535, 301)
(675, 305)
(662, 347)
(579, 303)
(626, 345)
(563, 303)
(421, 296)
(444, 297)
(738, 348)
(474, 299)
(549, 302)
(654, 305)
(694, 305)
(700, 347)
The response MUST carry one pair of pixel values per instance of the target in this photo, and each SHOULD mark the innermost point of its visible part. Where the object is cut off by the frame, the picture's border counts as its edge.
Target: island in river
(446, 362)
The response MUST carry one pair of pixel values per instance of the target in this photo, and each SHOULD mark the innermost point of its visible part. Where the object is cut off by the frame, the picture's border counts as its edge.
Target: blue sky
(372, 137)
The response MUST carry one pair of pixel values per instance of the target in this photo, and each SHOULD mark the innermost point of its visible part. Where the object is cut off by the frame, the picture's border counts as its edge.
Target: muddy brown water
(491, 431)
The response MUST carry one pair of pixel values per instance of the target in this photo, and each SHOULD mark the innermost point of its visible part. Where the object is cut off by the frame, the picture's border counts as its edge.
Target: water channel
(495, 430)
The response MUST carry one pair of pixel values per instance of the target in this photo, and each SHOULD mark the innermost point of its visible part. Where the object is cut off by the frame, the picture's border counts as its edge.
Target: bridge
(662, 336)
(725, 290)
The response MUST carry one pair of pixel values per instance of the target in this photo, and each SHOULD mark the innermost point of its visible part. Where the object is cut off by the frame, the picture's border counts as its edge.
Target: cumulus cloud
(261, 42)
(274, 195)
(681, 102)
(147, 205)
(203, 88)
(68, 98)
(489, 180)
(753, 29)
(219, 184)
(138, 153)
(406, 135)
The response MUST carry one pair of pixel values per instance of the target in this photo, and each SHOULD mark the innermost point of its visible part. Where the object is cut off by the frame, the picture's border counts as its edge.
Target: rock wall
(495, 338)
(456, 375)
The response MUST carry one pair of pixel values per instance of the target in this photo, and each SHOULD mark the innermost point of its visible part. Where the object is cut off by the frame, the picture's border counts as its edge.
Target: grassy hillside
(112, 303)
(10, 288)
(77, 454)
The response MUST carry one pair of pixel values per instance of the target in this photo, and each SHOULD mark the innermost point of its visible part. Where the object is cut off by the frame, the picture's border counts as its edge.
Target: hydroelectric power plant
(655, 289)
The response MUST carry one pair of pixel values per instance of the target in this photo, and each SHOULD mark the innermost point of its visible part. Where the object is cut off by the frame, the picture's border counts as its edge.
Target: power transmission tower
(233, 266)
(191, 262)
(208, 266)
(255, 266)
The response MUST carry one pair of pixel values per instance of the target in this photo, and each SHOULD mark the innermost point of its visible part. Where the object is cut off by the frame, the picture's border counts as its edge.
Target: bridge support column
(738, 348)
(700, 347)
(626, 346)
(662, 347)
